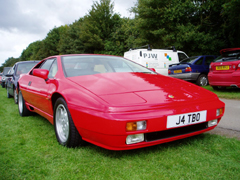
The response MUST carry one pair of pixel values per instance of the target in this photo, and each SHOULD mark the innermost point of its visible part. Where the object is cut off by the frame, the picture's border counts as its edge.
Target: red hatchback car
(225, 71)
(115, 103)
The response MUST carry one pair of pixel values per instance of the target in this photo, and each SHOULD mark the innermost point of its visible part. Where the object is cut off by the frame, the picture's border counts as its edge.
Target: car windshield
(189, 60)
(93, 64)
(5, 70)
(24, 68)
(220, 59)
(228, 56)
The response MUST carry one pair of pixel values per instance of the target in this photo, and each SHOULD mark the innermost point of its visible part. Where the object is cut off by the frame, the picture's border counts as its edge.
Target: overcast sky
(24, 21)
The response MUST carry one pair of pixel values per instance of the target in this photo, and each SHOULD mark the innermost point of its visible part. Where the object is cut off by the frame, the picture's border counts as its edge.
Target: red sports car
(225, 71)
(115, 103)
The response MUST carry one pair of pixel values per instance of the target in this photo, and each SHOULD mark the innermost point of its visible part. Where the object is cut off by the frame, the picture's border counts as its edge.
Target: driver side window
(47, 64)
(53, 70)
(51, 66)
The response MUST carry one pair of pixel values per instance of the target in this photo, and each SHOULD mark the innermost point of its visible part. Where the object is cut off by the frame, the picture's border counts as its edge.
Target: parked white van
(159, 59)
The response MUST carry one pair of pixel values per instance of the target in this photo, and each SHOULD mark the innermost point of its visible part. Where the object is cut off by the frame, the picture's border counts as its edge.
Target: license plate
(186, 119)
(177, 71)
(222, 67)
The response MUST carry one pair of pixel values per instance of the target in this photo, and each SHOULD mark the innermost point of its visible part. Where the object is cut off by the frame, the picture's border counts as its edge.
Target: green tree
(31, 51)
(192, 26)
(97, 26)
(70, 42)
(9, 63)
(231, 25)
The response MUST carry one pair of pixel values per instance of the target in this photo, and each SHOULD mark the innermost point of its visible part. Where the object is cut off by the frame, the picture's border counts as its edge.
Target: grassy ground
(29, 150)
(228, 93)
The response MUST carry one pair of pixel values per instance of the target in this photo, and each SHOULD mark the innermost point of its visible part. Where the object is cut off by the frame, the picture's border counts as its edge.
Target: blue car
(194, 69)
(21, 67)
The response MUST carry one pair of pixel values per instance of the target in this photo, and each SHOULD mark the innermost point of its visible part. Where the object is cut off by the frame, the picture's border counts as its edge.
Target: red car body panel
(101, 104)
(225, 77)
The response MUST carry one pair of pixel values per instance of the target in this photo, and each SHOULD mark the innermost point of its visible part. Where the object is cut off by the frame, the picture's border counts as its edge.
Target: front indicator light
(136, 138)
(219, 112)
(136, 126)
(212, 123)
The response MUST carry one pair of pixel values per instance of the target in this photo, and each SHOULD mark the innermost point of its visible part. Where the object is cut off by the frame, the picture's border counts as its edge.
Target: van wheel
(202, 80)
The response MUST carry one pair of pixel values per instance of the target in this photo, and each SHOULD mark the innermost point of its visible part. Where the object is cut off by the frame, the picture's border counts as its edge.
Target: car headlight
(212, 123)
(135, 138)
(136, 126)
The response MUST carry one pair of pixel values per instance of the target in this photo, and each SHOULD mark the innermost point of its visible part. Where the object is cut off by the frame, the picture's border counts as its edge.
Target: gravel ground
(225, 132)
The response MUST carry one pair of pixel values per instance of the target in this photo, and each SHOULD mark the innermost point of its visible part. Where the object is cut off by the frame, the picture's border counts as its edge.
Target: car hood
(138, 88)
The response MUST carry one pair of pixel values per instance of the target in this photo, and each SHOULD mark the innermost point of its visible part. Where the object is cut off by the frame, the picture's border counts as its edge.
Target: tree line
(195, 27)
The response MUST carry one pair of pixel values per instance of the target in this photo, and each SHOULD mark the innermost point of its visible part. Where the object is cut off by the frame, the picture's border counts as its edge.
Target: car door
(38, 88)
(198, 65)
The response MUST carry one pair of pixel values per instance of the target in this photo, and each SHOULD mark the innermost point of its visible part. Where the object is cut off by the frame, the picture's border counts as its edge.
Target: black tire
(8, 95)
(22, 109)
(15, 96)
(65, 130)
(218, 87)
(215, 87)
(202, 80)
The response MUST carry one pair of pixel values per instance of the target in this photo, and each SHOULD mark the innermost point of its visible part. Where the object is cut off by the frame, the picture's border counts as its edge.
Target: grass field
(229, 93)
(29, 150)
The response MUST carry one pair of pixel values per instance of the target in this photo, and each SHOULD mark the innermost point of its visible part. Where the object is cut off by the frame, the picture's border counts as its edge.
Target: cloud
(14, 17)
(23, 22)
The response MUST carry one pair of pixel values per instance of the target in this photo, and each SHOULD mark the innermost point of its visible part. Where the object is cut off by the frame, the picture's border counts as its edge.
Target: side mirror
(152, 69)
(42, 73)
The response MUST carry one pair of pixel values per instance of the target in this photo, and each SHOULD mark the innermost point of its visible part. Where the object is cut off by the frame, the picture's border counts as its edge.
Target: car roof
(22, 62)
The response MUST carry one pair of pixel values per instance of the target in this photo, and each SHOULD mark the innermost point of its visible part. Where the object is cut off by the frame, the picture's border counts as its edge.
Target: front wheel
(22, 108)
(65, 130)
(202, 80)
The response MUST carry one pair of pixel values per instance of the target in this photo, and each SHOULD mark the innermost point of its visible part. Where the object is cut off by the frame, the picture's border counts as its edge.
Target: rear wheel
(65, 130)
(23, 111)
(8, 95)
(202, 80)
(15, 95)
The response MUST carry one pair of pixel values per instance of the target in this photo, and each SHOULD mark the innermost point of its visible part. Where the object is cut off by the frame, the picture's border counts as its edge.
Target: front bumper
(108, 130)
